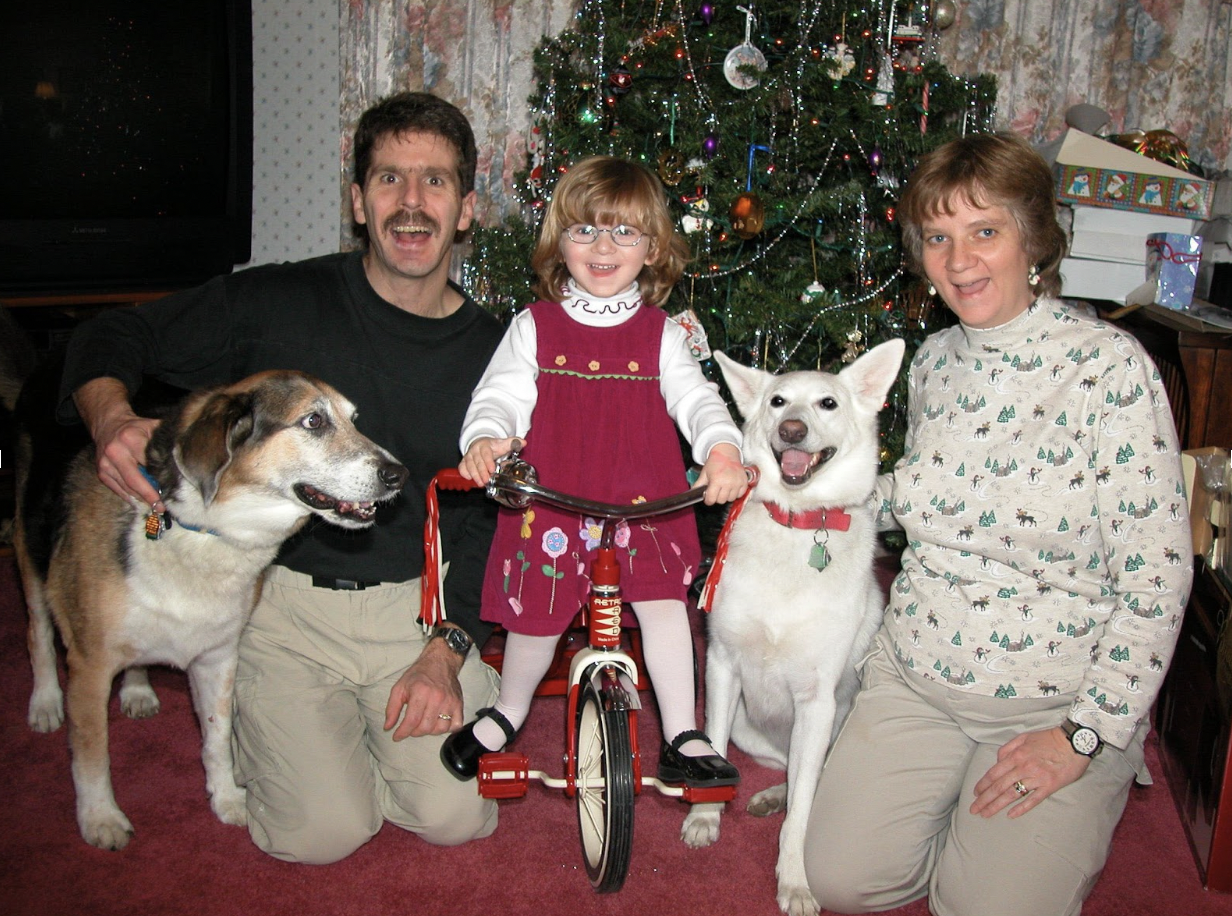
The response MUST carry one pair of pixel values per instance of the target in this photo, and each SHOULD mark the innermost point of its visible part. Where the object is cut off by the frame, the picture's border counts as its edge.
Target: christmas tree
(783, 132)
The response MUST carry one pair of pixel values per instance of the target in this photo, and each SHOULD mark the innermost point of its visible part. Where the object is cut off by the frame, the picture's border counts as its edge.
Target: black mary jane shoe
(461, 751)
(704, 772)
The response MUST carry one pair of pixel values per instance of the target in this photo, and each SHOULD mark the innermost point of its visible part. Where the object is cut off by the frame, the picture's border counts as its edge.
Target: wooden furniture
(1193, 712)
(1194, 718)
(1196, 366)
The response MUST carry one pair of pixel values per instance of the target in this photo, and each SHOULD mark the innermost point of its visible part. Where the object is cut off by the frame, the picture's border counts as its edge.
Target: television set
(125, 143)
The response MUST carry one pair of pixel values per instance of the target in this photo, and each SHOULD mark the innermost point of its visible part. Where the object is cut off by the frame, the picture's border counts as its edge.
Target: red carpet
(183, 861)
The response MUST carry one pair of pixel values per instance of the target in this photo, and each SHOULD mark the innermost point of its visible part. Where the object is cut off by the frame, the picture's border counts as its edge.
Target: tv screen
(125, 142)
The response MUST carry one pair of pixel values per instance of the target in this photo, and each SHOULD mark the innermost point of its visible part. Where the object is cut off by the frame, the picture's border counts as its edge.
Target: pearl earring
(1033, 275)
(932, 290)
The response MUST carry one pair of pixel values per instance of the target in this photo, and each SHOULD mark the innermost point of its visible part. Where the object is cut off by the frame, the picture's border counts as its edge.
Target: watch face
(456, 639)
(1085, 741)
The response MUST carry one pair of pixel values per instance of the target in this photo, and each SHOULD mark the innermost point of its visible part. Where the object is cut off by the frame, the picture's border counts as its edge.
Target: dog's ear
(206, 447)
(745, 384)
(870, 377)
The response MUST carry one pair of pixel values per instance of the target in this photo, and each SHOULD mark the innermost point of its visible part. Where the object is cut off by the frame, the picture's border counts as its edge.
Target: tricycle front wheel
(605, 785)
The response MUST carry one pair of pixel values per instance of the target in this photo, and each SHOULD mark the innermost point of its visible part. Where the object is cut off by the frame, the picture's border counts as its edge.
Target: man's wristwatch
(1083, 740)
(456, 638)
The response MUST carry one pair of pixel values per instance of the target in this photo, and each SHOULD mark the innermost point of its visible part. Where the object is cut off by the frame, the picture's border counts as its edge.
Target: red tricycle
(603, 769)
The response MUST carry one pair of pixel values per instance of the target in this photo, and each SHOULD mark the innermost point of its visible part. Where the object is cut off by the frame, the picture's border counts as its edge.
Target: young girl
(590, 379)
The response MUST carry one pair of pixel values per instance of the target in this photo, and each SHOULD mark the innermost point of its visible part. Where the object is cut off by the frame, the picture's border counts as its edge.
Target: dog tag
(819, 557)
(154, 526)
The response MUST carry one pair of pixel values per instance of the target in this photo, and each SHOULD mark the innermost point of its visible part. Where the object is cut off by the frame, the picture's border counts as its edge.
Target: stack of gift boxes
(1137, 224)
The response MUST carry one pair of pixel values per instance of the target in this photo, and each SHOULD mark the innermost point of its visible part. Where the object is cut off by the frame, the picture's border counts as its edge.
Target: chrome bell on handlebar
(511, 472)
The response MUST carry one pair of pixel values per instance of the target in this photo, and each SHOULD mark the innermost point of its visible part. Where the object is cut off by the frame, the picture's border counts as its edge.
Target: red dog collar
(813, 520)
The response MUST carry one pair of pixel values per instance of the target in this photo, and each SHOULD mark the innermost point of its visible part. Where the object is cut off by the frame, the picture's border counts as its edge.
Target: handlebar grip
(452, 479)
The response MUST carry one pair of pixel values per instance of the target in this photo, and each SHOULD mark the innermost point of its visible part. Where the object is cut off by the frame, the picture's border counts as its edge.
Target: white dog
(797, 604)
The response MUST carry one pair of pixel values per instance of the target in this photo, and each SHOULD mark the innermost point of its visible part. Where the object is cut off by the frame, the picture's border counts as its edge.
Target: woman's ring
(1021, 789)
(447, 717)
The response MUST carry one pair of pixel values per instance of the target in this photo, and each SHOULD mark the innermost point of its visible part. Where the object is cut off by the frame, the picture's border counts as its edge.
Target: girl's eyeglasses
(624, 236)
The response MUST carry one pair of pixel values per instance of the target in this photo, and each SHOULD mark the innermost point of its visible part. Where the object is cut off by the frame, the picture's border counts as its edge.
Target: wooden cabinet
(1196, 367)
(1194, 719)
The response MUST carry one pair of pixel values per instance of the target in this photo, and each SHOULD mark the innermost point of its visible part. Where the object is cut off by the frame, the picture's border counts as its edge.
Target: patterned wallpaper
(295, 129)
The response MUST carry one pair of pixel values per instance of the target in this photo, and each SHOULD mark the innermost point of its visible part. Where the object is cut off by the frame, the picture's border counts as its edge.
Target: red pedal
(715, 794)
(504, 775)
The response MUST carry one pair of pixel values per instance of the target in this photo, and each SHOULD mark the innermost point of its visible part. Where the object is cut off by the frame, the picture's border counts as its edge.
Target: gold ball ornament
(748, 215)
(944, 14)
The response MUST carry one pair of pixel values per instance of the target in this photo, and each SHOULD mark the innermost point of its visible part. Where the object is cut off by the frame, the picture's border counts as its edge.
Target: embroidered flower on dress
(561, 360)
(622, 534)
(555, 543)
(594, 365)
(590, 532)
(634, 365)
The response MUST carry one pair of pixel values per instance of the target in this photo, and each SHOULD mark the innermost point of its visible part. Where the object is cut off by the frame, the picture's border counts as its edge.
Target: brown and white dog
(240, 469)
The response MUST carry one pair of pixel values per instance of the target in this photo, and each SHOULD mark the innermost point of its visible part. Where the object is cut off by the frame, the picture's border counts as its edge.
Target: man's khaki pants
(322, 774)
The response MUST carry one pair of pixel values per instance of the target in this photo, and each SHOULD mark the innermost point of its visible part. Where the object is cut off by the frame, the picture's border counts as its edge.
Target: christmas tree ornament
(744, 57)
(813, 291)
(620, 80)
(875, 159)
(748, 215)
(841, 60)
(671, 167)
(885, 82)
(944, 14)
(854, 346)
(697, 215)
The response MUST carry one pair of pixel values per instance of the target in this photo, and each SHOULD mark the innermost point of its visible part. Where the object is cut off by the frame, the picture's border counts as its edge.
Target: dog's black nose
(792, 431)
(392, 475)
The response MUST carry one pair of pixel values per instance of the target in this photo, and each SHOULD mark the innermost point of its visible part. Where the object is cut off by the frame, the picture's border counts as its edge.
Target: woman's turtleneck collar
(1022, 328)
(597, 312)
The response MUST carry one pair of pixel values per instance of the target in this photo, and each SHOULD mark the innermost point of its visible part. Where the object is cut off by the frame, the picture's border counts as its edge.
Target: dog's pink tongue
(795, 463)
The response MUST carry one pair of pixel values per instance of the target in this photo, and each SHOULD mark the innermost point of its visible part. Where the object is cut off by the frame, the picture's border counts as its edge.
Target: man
(342, 701)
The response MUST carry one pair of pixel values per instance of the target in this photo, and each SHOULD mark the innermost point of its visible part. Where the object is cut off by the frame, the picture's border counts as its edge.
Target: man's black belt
(342, 585)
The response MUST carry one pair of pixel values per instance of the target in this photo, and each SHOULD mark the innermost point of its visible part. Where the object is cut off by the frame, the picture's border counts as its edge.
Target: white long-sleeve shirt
(504, 401)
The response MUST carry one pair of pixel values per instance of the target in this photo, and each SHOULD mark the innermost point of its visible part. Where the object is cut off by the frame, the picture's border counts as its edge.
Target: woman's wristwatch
(1083, 740)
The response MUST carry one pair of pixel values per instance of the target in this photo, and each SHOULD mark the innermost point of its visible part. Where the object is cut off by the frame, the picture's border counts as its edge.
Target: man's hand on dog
(723, 475)
(120, 439)
(1042, 762)
(427, 692)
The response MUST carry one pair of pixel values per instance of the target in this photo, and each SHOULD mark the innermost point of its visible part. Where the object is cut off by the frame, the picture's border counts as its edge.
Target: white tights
(667, 647)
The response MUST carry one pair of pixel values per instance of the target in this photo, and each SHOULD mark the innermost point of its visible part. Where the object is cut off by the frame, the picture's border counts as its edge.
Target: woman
(1004, 705)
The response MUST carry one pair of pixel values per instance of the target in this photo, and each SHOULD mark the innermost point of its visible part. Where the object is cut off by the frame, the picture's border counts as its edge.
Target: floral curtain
(1149, 63)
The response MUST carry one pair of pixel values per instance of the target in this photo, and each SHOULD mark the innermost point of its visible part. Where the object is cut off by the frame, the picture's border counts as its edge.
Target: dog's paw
(701, 826)
(797, 900)
(139, 701)
(46, 711)
(231, 806)
(768, 801)
(108, 829)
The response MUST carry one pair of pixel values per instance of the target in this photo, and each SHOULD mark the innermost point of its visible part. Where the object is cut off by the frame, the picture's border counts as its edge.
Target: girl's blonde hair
(605, 190)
